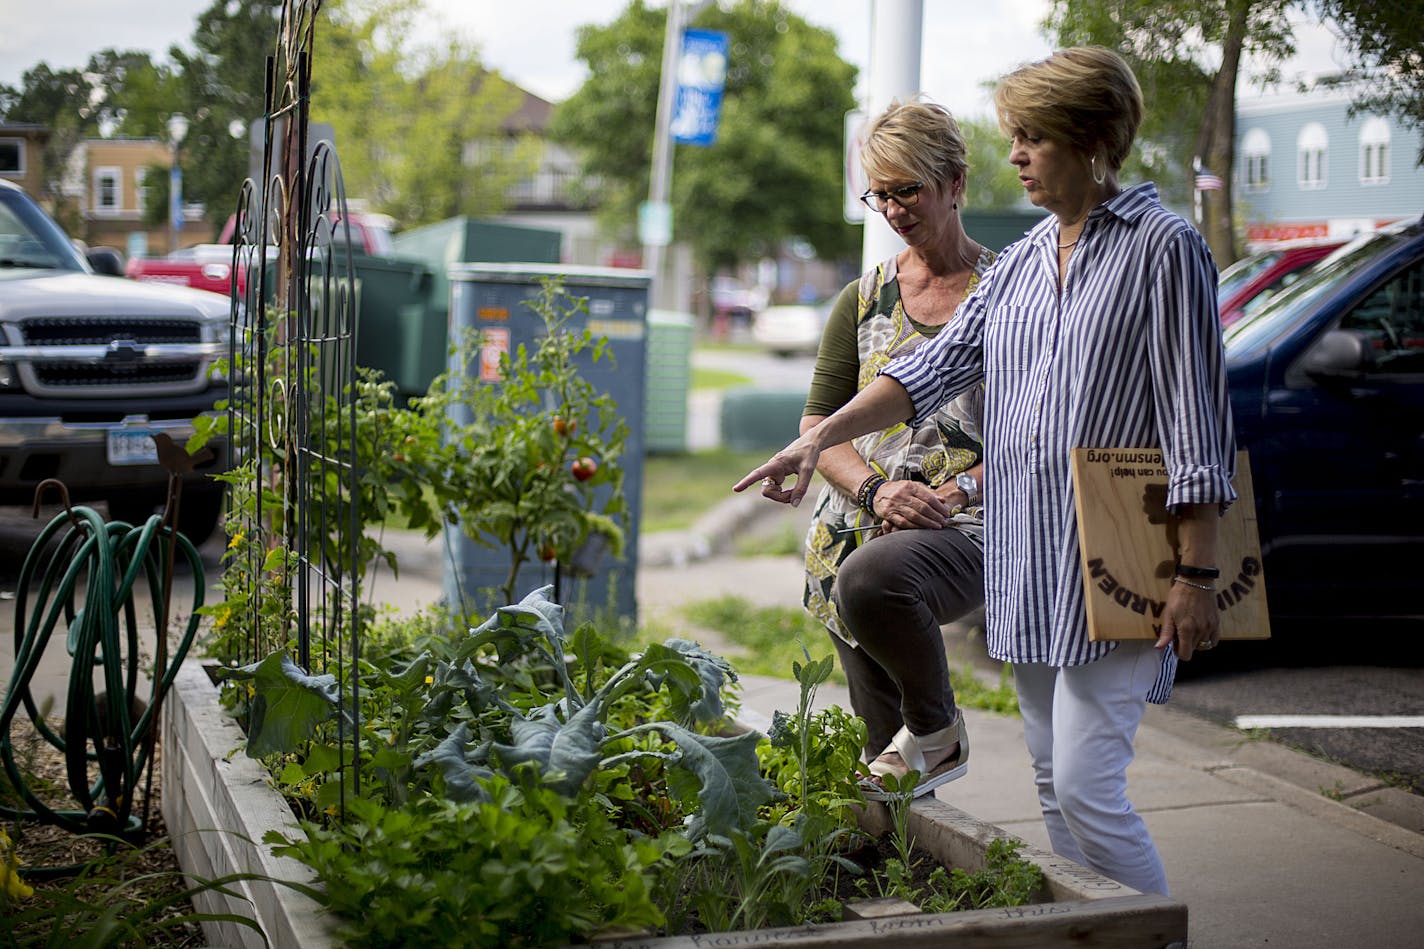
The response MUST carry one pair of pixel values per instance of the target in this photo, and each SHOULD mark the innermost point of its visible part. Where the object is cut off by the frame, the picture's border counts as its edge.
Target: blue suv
(1327, 389)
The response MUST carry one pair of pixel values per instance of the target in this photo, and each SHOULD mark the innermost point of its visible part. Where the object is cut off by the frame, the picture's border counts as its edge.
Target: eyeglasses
(907, 197)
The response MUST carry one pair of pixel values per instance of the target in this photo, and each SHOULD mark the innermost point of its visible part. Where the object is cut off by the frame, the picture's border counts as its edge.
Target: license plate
(132, 446)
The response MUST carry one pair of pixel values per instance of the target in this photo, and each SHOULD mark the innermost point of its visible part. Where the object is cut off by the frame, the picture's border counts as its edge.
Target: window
(1311, 146)
(1374, 152)
(107, 196)
(1391, 320)
(12, 157)
(141, 189)
(1256, 152)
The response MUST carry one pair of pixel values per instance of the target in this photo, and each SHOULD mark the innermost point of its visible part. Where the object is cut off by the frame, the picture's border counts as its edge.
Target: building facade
(1306, 168)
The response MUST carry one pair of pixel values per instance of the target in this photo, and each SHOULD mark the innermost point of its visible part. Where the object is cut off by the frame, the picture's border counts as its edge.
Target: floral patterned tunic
(933, 452)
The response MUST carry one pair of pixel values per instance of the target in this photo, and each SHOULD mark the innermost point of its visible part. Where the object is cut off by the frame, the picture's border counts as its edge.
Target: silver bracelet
(1190, 583)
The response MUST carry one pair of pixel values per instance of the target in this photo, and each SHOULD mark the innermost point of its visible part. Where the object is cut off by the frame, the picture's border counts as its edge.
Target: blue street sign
(701, 74)
(175, 197)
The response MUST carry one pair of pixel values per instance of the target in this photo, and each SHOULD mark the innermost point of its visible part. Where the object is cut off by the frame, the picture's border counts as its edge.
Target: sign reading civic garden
(1129, 544)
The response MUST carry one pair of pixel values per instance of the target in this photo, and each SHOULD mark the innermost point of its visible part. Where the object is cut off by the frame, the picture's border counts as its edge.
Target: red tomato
(584, 468)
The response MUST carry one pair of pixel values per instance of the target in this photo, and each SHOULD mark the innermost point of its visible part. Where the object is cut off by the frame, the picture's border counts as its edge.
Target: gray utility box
(491, 298)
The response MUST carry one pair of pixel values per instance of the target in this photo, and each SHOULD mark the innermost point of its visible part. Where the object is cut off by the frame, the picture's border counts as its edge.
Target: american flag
(1205, 180)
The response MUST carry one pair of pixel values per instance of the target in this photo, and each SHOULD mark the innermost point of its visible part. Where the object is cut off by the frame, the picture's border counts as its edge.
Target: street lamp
(177, 129)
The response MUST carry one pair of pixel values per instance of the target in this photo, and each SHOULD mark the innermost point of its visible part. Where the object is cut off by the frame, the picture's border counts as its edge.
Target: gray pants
(893, 594)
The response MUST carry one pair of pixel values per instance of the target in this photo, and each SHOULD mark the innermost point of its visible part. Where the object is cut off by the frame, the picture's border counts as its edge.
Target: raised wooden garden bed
(218, 803)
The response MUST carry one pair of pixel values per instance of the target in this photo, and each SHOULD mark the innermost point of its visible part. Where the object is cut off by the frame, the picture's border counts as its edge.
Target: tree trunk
(1216, 142)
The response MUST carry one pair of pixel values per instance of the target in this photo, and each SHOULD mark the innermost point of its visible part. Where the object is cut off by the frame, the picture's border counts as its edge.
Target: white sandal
(913, 751)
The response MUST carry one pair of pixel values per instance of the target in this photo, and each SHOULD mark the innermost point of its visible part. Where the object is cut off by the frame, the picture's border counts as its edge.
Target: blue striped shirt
(1129, 354)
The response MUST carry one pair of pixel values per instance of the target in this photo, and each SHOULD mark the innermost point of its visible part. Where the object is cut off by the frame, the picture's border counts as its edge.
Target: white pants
(1079, 723)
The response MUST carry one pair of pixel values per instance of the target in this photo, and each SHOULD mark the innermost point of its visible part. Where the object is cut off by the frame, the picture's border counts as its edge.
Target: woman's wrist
(865, 494)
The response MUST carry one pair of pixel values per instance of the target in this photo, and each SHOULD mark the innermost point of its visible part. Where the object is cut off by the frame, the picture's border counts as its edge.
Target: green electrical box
(669, 377)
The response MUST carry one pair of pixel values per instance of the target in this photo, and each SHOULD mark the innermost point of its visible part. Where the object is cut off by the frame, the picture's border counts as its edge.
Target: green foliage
(422, 129)
(1385, 37)
(526, 867)
(774, 172)
(993, 183)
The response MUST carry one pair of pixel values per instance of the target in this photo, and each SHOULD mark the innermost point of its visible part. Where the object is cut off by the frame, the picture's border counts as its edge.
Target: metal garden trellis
(292, 411)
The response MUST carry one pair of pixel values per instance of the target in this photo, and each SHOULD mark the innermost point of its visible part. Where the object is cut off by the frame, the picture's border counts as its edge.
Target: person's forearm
(879, 405)
(1196, 534)
(841, 465)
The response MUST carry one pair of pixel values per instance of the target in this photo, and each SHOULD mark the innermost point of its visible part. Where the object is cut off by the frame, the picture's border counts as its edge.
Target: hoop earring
(1098, 176)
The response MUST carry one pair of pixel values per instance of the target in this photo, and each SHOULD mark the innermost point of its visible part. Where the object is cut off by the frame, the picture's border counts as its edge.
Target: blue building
(1305, 168)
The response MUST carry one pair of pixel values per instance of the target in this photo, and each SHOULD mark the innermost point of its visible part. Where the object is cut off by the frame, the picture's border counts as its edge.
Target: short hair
(917, 140)
(1085, 97)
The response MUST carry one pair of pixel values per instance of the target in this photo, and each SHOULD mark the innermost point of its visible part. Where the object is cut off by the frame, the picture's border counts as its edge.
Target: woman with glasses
(1098, 329)
(896, 546)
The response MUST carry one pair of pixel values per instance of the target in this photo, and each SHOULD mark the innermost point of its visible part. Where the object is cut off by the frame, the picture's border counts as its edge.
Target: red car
(209, 266)
(1253, 279)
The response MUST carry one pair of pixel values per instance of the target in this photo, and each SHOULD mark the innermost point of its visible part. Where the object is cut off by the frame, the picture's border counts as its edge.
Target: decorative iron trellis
(292, 412)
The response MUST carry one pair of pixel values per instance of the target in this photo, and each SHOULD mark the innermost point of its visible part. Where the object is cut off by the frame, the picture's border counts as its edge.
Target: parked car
(209, 266)
(1327, 391)
(91, 367)
(791, 329)
(1252, 280)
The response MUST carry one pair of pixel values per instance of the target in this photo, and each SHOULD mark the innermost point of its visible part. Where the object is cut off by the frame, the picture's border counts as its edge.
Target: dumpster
(459, 240)
(397, 328)
(491, 297)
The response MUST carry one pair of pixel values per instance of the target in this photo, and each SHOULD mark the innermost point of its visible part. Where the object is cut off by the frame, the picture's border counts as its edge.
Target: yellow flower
(236, 539)
(429, 680)
(11, 885)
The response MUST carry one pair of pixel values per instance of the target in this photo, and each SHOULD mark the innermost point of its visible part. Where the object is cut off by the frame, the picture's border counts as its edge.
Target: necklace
(1069, 244)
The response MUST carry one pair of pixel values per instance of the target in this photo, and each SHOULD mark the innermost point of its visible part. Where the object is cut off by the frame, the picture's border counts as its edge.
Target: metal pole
(893, 73)
(660, 183)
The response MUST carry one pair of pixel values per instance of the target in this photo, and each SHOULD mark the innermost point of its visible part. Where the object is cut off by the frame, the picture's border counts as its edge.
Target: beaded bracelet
(865, 497)
(1191, 583)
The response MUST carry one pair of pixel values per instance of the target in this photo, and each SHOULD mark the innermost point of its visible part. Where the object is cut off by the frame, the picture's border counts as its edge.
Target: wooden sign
(1128, 545)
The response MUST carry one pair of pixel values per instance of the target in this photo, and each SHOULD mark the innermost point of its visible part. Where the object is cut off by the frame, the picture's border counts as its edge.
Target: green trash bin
(398, 331)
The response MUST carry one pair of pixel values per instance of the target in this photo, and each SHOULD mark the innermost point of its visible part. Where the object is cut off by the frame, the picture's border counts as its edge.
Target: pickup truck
(209, 266)
(1327, 393)
(92, 366)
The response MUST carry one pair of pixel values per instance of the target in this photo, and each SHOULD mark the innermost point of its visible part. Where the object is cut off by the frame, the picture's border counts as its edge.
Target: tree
(421, 132)
(1187, 55)
(222, 85)
(1385, 37)
(774, 173)
(993, 183)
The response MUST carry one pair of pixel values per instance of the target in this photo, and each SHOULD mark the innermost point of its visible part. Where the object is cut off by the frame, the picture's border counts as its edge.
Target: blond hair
(1085, 97)
(916, 140)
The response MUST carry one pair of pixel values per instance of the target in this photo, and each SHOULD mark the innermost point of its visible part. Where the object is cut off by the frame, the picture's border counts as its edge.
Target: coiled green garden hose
(88, 585)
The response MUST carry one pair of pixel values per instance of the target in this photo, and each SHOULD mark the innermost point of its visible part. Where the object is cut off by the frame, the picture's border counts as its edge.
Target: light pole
(177, 129)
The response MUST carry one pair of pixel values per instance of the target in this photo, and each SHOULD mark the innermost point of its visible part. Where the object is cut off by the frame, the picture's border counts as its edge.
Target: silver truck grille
(108, 357)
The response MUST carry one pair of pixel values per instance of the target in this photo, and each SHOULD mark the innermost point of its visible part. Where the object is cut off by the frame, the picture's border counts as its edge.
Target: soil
(152, 866)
